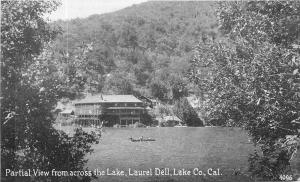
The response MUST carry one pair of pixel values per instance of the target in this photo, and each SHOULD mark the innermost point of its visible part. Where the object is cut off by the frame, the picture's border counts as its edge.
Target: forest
(142, 50)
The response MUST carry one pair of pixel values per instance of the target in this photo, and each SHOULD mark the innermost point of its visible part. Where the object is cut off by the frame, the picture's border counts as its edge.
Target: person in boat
(141, 139)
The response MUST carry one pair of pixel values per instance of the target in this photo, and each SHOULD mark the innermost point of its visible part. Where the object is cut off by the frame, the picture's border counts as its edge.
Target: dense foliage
(30, 88)
(141, 50)
(252, 79)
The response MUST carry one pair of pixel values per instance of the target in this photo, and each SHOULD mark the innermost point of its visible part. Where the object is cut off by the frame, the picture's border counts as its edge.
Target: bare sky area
(83, 8)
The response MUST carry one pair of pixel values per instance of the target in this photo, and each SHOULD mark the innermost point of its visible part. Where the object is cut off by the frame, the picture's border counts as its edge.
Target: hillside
(143, 49)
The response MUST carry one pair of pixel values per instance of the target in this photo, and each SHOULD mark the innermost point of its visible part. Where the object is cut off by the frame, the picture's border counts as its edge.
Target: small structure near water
(66, 113)
(169, 121)
(65, 117)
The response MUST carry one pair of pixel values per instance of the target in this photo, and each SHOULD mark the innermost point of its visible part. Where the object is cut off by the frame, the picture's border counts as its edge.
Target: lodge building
(111, 109)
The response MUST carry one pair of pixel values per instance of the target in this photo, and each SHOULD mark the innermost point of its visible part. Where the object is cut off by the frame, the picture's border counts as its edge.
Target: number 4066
(286, 177)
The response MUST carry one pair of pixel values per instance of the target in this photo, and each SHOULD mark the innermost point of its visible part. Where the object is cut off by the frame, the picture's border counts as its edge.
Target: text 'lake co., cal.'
(158, 172)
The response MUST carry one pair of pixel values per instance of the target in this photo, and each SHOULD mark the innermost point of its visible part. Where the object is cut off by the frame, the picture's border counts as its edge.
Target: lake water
(226, 149)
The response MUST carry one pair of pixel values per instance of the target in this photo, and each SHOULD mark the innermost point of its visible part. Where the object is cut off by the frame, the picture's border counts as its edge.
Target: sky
(83, 8)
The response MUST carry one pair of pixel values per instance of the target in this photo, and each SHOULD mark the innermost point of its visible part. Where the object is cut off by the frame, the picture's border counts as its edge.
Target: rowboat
(142, 139)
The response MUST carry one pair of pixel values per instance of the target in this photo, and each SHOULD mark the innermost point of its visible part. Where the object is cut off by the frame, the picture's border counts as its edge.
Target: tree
(128, 36)
(163, 110)
(119, 83)
(29, 91)
(178, 86)
(159, 90)
(252, 79)
(183, 110)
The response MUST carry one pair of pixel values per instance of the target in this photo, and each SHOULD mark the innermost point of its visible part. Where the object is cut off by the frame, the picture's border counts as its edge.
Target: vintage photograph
(150, 91)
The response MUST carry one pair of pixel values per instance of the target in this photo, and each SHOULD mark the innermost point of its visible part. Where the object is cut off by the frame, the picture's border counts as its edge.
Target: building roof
(67, 111)
(109, 98)
(120, 98)
(64, 106)
(171, 118)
